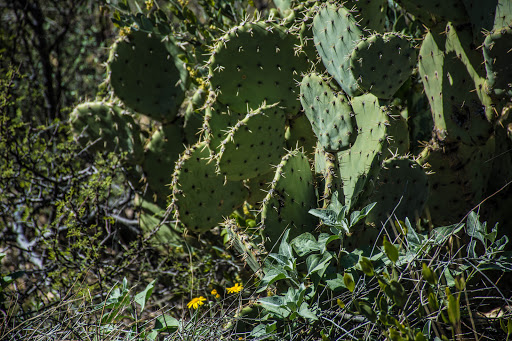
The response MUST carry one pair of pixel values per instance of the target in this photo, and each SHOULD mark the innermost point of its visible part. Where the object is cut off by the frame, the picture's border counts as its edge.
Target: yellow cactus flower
(234, 289)
(196, 302)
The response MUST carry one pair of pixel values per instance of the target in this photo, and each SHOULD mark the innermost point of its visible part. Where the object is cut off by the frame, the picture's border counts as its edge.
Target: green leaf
(365, 309)
(428, 274)
(271, 276)
(166, 323)
(306, 313)
(304, 244)
(275, 304)
(327, 216)
(284, 248)
(390, 250)
(397, 293)
(318, 263)
(349, 282)
(142, 297)
(440, 234)
(476, 229)
(324, 239)
(367, 266)
(453, 306)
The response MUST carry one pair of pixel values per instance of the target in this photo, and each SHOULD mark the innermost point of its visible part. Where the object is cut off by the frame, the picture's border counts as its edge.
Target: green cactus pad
(200, 197)
(498, 54)
(399, 136)
(291, 196)
(336, 33)
(258, 188)
(370, 14)
(105, 127)
(256, 62)
(401, 191)
(147, 75)
(330, 114)
(300, 134)
(458, 114)
(436, 11)
(458, 177)
(162, 151)
(253, 145)
(362, 161)
(382, 63)
(218, 120)
(487, 16)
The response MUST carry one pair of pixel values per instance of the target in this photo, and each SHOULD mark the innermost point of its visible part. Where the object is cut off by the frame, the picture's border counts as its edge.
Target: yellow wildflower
(149, 5)
(234, 289)
(196, 302)
(215, 293)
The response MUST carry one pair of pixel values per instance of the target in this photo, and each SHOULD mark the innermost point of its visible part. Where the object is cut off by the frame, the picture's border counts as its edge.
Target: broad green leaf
(367, 266)
(275, 304)
(270, 277)
(440, 234)
(450, 281)
(304, 244)
(318, 263)
(284, 261)
(328, 217)
(306, 313)
(476, 229)
(349, 282)
(390, 250)
(397, 293)
(356, 216)
(284, 248)
(166, 323)
(142, 297)
(428, 274)
(324, 239)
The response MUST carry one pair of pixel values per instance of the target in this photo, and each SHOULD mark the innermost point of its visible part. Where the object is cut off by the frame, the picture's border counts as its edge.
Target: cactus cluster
(316, 99)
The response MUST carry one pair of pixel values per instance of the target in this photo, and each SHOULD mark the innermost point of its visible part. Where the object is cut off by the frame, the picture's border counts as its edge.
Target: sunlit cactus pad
(330, 114)
(256, 62)
(253, 145)
(291, 196)
(201, 197)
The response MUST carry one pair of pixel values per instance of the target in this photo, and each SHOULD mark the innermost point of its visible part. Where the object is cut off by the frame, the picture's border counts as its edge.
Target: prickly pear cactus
(104, 126)
(290, 197)
(458, 114)
(401, 190)
(362, 161)
(329, 113)
(336, 33)
(498, 53)
(299, 133)
(253, 145)
(147, 75)
(255, 63)
(381, 63)
(201, 197)
(162, 151)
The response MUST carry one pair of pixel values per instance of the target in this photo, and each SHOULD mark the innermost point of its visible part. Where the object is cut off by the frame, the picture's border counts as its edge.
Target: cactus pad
(104, 126)
(253, 145)
(401, 190)
(161, 153)
(200, 197)
(458, 114)
(291, 196)
(382, 63)
(299, 133)
(362, 161)
(147, 75)
(498, 53)
(330, 114)
(369, 14)
(256, 62)
(336, 33)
